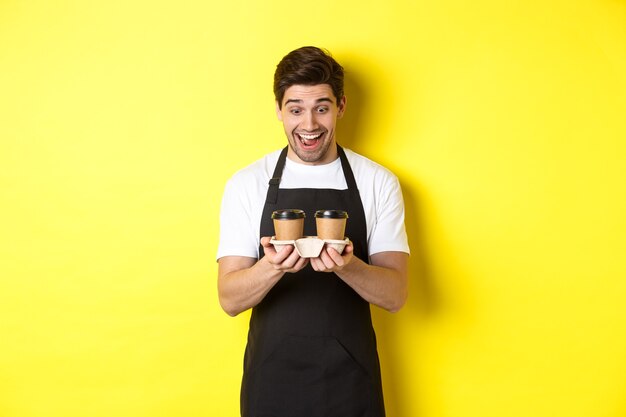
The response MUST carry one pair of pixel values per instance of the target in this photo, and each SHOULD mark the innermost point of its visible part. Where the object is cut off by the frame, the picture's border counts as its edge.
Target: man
(311, 346)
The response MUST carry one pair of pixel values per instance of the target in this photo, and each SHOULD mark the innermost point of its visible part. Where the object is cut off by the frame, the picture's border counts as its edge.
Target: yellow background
(120, 122)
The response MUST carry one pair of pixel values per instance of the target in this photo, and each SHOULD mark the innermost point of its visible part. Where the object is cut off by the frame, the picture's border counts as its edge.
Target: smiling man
(311, 345)
(309, 114)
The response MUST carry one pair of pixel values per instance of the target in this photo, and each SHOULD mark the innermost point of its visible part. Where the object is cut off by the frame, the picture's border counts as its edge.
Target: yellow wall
(120, 121)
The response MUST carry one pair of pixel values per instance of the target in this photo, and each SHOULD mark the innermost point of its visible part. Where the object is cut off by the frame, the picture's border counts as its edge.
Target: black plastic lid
(331, 214)
(288, 214)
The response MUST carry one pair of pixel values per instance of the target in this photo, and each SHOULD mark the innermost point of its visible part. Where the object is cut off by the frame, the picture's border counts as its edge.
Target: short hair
(308, 65)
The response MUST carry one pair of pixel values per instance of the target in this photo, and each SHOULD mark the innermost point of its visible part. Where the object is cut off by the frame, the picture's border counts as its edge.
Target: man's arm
(242, 282)
(384, 282)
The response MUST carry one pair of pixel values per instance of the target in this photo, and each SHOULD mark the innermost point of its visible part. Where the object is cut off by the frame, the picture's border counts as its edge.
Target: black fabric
(311, 346)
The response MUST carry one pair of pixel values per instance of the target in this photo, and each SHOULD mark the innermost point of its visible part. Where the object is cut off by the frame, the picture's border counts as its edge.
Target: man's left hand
(331, 261)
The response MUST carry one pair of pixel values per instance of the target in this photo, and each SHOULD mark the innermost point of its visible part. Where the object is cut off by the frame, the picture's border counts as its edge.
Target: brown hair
(308, 65)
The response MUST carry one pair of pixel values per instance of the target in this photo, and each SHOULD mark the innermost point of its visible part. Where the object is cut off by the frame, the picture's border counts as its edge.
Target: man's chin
(310, 156)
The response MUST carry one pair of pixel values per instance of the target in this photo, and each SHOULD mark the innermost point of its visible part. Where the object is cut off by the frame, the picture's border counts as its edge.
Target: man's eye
(322, 109)
(294, 111)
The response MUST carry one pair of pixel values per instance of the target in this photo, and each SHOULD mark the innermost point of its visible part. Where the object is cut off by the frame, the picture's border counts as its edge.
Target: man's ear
(279, 113)
(341, 107)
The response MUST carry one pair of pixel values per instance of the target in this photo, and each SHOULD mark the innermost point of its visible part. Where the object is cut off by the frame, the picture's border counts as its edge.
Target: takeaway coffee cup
(331, 224)
(288, 224)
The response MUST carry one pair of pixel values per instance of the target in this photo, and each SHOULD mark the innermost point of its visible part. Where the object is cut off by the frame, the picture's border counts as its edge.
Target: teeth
(310, 137)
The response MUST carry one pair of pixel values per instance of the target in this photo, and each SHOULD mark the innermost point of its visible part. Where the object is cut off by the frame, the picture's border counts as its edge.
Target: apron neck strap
(272, 193)
(347, 170)
(274, 183)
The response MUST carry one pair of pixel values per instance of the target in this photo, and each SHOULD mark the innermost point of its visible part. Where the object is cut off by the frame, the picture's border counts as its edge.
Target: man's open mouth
(309, 139)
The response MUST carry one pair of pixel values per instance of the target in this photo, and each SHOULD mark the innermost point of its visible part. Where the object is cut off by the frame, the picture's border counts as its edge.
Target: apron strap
(274, 182)
(272, 192)
(347, 170)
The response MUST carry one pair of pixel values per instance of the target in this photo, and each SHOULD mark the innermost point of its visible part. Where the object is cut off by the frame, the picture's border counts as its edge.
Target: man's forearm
(379, 285)
(242, 282)
(241, 289)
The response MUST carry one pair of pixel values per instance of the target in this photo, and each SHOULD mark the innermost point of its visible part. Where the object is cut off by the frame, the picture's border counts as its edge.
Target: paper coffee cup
(331, 224)
(288, 224)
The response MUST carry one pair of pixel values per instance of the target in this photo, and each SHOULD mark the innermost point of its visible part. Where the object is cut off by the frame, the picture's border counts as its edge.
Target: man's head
(308, 85)
(308, 65)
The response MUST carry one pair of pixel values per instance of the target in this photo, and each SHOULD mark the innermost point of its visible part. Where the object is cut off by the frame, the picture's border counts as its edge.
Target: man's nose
(309, 122)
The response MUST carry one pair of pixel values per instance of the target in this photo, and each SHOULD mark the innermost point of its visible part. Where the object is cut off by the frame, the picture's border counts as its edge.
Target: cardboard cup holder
(310, 246)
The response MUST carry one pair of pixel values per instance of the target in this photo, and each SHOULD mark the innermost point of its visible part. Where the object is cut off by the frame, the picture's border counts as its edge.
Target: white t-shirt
(245, 192)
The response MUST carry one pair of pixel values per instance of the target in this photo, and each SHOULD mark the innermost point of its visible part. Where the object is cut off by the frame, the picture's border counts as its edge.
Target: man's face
(309, 114)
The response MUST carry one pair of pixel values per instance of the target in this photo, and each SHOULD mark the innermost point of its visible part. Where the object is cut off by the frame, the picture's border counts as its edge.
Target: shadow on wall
(350, 127)
(423, 302)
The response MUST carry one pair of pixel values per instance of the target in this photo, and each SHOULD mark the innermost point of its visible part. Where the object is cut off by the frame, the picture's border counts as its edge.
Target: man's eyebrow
(319, 100)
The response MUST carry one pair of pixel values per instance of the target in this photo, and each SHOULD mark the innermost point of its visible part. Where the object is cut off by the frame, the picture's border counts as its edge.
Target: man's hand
(330, 260)
(243, 282)
(383, 282)
(286, 260)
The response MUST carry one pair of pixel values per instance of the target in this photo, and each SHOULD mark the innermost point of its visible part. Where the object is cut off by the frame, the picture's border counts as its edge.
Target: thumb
(348, 249)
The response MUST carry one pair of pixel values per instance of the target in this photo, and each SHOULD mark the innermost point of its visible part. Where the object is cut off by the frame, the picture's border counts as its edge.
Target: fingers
(302, 262)
(284, 258)
(323, 263)
(287, 259)
(333, 257)
(283, 254)
(293, 263)
(329, 260)
(276, 255)
(317, 264)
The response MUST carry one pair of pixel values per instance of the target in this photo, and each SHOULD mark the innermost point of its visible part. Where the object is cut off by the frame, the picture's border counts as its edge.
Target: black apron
(311, 346)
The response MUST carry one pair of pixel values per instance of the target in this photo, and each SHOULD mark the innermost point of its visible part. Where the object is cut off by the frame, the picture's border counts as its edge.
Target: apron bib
(311, 346)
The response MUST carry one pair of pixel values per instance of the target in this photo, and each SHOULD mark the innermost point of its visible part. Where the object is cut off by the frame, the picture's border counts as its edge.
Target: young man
(311, 346)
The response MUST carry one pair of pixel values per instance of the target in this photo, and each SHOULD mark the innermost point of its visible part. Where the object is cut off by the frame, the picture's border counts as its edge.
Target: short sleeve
(238, 233)
(388, 230)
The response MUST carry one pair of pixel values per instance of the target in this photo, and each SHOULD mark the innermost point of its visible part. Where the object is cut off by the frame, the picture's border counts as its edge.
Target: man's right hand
(243, 282)
(286, 260)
